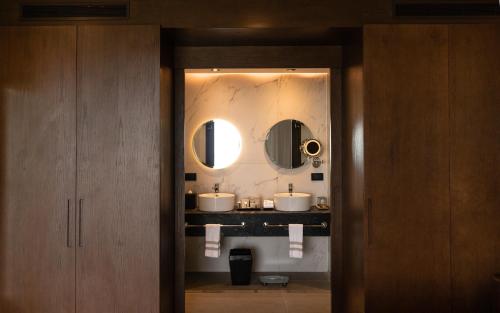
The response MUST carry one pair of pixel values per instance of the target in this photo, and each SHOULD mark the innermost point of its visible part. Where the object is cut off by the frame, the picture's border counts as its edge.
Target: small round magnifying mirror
(311, 148)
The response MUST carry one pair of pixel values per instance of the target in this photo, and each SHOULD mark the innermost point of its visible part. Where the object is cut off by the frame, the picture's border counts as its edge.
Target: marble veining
(254, 103)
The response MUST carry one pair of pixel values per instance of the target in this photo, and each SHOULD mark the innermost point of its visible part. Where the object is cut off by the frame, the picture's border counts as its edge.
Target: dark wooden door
(407, 260)
(118, 180)
(37, 169)
(475, 164)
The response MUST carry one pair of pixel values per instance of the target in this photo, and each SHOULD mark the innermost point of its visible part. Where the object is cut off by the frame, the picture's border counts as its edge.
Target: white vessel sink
(216, 202)
(292, 202)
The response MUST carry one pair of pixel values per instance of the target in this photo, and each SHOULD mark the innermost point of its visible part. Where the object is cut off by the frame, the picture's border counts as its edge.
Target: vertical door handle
(369, 221)
(80, 208)
(69, 242)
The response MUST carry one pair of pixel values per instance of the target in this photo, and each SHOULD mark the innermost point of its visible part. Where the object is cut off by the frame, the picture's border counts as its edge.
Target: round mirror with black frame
(217, 144)
(284, 141)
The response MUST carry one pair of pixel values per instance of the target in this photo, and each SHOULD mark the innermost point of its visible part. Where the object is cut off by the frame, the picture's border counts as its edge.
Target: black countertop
(316, 222)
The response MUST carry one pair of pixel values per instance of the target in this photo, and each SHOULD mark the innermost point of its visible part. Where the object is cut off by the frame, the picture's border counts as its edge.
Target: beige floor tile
(234, 303)
(213, 293)
(307, 303)
(221, 282)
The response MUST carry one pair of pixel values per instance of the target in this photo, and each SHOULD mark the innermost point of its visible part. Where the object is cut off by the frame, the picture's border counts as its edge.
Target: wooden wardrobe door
(475, 164)
(37, 169)
(118, 189)
(407, 265)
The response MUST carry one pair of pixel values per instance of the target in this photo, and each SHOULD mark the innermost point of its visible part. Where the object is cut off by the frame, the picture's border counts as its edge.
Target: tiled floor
(209, 293)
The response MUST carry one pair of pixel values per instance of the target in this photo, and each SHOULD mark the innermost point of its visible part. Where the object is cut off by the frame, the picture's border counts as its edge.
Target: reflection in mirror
(217, 144)
(283, 143)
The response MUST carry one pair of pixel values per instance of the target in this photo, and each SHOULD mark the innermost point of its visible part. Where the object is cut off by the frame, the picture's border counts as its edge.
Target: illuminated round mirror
(284, 141)
(217, 144)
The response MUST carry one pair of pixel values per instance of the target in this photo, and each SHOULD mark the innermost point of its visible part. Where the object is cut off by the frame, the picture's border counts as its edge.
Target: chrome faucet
(216, 188)
(290, 188)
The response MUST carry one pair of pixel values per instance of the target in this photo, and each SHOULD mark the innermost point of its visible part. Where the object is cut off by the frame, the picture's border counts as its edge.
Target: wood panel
(407, 265)
(230, 37)
(336, 191)
(475, 164)
(353, 178)
(118, 135)
(179, 187)
(226, 13)
(258, 56)
(167, 204)
(293, 14)
(262, 13)
(37, 169)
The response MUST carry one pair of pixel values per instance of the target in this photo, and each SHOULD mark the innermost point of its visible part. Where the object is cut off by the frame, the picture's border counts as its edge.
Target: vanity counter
(254, 222)
(313, 210)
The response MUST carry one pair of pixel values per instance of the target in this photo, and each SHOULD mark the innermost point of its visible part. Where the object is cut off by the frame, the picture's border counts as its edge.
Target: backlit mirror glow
(217, 144)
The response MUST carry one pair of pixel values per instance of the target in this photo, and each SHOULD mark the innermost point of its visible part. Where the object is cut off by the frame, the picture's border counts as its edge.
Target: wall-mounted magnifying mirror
(217, 144)
(283, 143)
(311, 148)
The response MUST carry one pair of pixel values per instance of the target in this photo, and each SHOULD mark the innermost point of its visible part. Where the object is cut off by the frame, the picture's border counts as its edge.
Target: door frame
(196, 57)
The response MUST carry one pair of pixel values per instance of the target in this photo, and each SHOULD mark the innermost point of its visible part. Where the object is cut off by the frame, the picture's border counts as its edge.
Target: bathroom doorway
(252, 109)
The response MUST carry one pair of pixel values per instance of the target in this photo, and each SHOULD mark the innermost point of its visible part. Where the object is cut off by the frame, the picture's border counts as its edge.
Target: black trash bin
(240, 262)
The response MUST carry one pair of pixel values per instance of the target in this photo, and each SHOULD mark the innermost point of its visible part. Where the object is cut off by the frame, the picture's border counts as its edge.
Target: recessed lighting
(215, 70)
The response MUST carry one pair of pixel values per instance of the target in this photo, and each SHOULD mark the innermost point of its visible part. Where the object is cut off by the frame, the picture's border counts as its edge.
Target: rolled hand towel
(212, 240)
(296, 235)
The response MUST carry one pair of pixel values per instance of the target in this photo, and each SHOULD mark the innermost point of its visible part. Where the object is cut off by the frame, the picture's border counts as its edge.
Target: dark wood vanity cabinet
(80, 169)
(431, 165)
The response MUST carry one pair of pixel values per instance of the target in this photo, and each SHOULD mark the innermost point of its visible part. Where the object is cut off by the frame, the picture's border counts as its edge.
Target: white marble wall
(254, 102)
